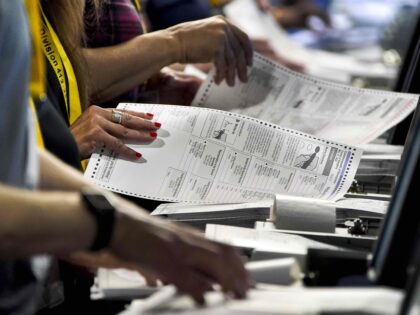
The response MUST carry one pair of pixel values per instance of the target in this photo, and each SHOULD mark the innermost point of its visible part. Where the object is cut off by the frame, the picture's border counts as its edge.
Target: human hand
(105, 259)
(177, 255)
(263, 47)
(176, 87)
(95, 128)
(214, 39)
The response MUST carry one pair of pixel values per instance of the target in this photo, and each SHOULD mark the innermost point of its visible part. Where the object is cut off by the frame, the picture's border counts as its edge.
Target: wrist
(175, 45)
(135, 230)
(102, 210)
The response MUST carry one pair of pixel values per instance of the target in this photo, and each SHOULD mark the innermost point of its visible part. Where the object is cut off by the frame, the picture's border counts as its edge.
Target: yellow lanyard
(214, 3)
(137, 4)
(37, 83)
(59, 61)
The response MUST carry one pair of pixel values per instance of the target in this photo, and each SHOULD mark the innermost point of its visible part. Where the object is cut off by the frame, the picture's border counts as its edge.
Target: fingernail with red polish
(158, 124)
(150, 114)
(153, 134)
(138, 155)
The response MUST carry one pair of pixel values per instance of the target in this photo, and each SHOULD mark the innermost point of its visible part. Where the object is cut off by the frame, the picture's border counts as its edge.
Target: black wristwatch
(104, 213)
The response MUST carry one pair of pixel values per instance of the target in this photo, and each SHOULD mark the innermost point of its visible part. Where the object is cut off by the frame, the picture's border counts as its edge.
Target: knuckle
(127, 117)
(94, 109)
(118, 144)
(93, 145)
(94, 119)
(125, 132)
(95, 130)
(220, 37)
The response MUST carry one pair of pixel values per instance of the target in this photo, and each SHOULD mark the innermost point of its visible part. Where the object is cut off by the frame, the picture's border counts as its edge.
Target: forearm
(56, 175)
(116, 69)
(35, 222)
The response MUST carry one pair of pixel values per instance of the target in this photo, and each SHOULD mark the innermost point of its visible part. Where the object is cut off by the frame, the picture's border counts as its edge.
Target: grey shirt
(18, 163)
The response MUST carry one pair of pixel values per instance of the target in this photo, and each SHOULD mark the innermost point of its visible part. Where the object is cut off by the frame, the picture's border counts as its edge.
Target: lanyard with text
(59, 61)
(37, 84)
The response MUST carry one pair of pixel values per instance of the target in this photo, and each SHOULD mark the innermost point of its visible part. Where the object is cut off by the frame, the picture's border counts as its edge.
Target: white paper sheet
(263, 239)
(286, 300)
(367, 205)
(374, 148)
(326, 65)
(182, 208)
(292, 100)
(191, 70)
(208, 156)
(119, 283)
(237, 214)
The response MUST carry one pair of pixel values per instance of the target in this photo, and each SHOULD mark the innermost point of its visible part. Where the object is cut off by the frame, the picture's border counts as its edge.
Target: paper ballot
(285, 300)
(321, 108)
(326, 65)
(204, 155)
(126, 284)
(238, 214)
(270, 244)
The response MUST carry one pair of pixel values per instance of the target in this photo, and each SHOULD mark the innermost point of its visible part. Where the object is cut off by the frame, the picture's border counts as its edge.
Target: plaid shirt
(118, 22)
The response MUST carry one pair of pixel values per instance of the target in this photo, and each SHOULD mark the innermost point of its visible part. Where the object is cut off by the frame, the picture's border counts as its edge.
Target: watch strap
(104, 213)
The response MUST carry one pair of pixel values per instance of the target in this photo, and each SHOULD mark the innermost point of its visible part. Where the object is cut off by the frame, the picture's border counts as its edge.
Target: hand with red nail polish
(99, 126)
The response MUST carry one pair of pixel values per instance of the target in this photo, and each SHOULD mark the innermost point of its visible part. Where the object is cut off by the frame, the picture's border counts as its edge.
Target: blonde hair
(67, 18)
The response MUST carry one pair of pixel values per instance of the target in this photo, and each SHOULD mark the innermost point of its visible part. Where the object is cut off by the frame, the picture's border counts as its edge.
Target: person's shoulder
(11, 16)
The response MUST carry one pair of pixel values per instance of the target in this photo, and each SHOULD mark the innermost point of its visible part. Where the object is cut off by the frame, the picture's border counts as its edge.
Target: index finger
(134, 120)
(245, 43)
(148, 116)
(223, 265)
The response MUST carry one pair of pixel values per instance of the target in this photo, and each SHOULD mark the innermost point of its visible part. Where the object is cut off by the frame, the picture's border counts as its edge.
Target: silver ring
(116, 116)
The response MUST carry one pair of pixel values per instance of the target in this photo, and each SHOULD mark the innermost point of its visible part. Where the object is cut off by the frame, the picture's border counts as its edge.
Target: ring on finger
(116, 116)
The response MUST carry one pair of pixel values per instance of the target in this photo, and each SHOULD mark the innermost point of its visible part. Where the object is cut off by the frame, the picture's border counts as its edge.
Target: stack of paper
(283, 300)
(241, 214)
(377, 173)
(277, 245)
(379, 164)
(125, 284)
(376, 148)
(355, 207)
(120, 284)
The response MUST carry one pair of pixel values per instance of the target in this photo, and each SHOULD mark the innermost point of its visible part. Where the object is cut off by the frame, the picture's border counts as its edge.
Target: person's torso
(18, 155)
